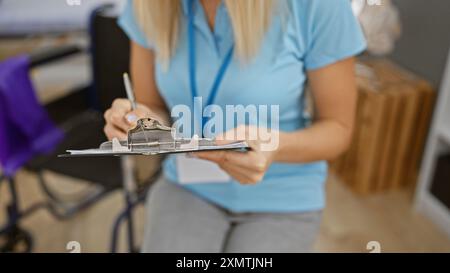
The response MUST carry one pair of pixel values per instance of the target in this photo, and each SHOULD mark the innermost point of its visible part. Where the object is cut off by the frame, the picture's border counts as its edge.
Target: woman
(264, 200)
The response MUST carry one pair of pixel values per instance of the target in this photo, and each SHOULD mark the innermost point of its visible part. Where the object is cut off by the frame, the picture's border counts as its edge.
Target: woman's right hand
(120, 118)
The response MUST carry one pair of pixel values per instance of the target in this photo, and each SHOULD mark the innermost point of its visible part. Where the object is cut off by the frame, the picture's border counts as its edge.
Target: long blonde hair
(160, 21)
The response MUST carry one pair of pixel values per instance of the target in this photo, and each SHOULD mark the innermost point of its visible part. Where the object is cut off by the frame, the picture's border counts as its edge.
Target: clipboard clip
(150, 136)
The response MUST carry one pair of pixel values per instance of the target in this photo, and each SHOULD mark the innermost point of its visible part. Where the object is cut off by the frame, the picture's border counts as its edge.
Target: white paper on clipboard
(197, 171)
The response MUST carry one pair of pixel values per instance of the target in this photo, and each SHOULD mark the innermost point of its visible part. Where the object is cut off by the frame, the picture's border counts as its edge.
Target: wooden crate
(393, 115)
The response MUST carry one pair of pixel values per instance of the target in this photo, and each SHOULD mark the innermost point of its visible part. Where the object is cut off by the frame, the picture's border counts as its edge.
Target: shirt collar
(185, 5)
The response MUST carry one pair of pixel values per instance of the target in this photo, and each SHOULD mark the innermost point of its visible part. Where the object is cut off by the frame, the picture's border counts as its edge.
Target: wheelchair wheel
(16, 240)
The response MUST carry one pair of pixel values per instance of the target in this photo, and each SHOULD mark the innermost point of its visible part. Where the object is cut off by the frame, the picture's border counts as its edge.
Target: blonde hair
(160, 21)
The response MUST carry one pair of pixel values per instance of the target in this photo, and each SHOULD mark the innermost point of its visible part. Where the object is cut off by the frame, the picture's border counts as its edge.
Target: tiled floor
(350, 222)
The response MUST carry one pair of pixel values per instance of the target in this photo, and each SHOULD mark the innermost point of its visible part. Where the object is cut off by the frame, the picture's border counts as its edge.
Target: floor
(349, 223)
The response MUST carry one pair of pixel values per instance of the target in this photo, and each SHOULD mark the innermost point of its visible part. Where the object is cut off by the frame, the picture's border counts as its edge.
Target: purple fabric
(25, 127)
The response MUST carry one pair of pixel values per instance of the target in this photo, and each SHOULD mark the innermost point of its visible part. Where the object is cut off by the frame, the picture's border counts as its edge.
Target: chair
(76, 117)
(80, 116)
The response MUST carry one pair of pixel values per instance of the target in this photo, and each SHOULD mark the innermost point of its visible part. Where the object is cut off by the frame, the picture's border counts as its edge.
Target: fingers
(132, 117)
(248, 168)
(218, 157)
(248, 134)
(252, 161)
(230, 136)
(122, 106)
(116, 114)
(120, 118)
(243, 176)
(114, 132)
(116, 117)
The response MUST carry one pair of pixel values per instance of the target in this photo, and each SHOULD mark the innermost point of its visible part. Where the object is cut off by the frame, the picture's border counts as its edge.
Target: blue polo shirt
(304, 35)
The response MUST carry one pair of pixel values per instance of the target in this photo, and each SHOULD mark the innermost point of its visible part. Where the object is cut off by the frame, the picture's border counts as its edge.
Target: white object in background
(438, 143)
(381, 24)
(198, 171)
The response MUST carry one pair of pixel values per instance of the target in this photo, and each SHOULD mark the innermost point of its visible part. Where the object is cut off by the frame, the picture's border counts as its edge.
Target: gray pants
(179, 221)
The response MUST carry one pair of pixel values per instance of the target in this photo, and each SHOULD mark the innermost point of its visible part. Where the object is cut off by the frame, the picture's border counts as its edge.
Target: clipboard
(150, 137)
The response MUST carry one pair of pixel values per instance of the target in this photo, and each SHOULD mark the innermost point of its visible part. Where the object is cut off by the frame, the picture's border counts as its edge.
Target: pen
(129, 89)
(127, 163)
(130, 95)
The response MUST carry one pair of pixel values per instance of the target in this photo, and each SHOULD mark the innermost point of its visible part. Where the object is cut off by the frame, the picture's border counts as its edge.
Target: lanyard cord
(192, 61)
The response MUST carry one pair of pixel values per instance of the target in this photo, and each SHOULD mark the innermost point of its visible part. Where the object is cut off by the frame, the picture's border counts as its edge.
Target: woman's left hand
(245, 167)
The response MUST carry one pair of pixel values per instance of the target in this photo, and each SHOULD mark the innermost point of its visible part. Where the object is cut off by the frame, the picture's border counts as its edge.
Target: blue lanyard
(193, 66)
